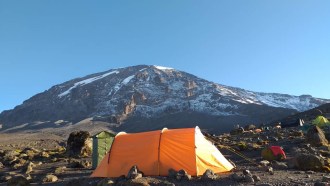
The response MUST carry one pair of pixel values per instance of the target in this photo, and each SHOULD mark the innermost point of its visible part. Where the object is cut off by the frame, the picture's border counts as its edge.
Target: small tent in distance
(321, 121)
(155, 152)
(101, 145)
(293, 123)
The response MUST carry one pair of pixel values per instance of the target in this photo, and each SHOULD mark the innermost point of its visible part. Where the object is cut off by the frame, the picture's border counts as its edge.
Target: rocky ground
(41, 158)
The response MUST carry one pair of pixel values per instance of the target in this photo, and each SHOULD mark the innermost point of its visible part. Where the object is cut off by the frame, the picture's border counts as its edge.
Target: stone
(264, 162)
(1, 166)
(79, 163)
(247, 172)
(256, 178)
(59, 170)
(326, 179)
(319, 183)
(9, 156)
(306, 161)
(172, 173)
(248, 178)
(183, 175)
(279, 165)
(105, 182)
(18, 180)
(316, 137)
(50, 178)
(250, 127)
(29, 168)
(237, 177)
(209, 175)
(79, 144)
(134, 173)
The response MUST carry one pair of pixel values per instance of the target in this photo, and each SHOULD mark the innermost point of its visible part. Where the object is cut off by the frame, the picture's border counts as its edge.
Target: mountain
(147, 97)
(309, 115)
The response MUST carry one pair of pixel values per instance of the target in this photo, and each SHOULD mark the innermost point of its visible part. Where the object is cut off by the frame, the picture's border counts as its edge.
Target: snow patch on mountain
(121, 84)
(163, 68)
(87, 81)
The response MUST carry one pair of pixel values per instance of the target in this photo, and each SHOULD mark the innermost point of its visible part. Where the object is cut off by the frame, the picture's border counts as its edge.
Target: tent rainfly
(156, 152)
(101, 145)
(320, 121)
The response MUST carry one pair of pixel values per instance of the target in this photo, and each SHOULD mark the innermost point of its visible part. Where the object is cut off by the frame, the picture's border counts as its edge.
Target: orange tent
(156, 152)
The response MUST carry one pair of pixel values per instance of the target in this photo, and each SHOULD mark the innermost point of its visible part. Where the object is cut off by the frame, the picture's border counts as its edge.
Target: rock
(18, 180)
(237, 131)
(43, 154)
(183, 175)
(247, 172)
(59, 170)
(1, 166)
(326, 179)
(5, 178)
(105, 182)
(79, 144)
(305, 161)
(134, 173)
(172, 173)
(316, 137)
(237, 177)
(269, 169)
(250, 127)
(29, 168)
(256, 178)
(9, 156)
(50, 178)
(248, 178)
(79, 163)
(318, 183)
(264, 162)
(279, 165)
(209, 175)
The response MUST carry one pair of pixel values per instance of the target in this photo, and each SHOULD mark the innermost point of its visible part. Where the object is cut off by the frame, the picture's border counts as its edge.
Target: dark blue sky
(268, 46)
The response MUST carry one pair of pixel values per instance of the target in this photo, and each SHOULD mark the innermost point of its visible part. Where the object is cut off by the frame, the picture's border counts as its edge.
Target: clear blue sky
(269, 46)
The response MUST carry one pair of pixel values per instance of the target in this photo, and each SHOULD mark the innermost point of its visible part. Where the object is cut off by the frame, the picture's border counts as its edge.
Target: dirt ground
(80, 176)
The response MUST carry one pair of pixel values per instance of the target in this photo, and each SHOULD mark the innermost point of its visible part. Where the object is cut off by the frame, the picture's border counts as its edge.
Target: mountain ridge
(149, 91)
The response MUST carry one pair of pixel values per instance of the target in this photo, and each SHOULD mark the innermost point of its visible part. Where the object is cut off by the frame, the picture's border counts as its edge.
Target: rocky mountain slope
(150, 97)
(310, 114)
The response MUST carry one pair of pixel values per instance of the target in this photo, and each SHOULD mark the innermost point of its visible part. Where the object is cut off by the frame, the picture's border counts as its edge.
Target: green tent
(321, 121)
(101, 145)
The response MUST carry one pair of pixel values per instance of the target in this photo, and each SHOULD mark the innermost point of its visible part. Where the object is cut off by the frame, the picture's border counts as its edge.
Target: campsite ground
(48, 142)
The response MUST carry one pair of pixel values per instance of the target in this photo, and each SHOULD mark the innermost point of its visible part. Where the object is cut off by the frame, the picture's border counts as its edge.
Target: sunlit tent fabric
(320, 121)
(101, 145)
(156, 152)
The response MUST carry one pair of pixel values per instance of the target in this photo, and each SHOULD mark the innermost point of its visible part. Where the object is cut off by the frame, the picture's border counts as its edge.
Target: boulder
(79, 144)
(209, 175)
(306, 161)
(50, 178)
(134, 173)
(105, 182)
(172, 173)
(316, 137)
(29, 168)
(279, 165)
(79, 163)
(237, 131)
(183, 175)
(18, 180)
(250, 127)
(59, 170)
